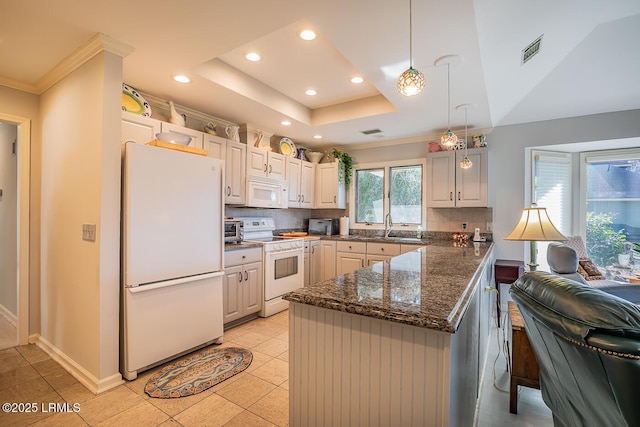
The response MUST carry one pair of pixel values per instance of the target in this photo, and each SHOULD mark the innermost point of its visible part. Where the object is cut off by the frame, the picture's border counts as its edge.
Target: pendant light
(411, 82)
(465, 163)
(449, 139)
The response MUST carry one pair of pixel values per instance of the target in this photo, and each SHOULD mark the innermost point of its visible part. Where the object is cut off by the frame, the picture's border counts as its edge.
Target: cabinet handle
(246, 276)
(298, 197)
(265, 167)
(335, 199)
(303, 197)
(313, 249)
(451, 195)
(228, 190)
(239, 276)
(361, 263)
(349, 247)
(244, 256)
(270, 168)
(458, 195)
(381, 249)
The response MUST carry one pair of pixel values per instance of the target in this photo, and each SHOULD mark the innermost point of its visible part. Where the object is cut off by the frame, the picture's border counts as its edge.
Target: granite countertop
(429, 287)
(243, 245)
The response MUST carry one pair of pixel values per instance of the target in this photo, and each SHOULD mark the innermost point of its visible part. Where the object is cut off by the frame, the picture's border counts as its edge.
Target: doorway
(14, 230)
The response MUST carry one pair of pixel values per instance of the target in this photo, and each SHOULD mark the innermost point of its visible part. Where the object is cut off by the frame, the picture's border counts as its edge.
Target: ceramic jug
(175, 117)
(232, 133)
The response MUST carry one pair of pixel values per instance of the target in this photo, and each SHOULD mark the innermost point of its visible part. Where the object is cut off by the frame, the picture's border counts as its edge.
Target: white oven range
(283, 263)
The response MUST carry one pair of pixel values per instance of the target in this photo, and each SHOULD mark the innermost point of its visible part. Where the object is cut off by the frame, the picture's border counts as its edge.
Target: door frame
(23, 218)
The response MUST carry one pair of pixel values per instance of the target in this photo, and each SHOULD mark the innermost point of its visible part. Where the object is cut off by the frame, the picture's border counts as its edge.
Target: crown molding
(18, 85)
(410, 140)
(98, 43)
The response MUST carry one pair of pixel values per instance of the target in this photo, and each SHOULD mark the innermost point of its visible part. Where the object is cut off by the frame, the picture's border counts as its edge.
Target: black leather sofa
(587, 343)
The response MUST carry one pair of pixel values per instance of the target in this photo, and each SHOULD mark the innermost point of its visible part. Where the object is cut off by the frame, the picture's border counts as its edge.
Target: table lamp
(535, 226)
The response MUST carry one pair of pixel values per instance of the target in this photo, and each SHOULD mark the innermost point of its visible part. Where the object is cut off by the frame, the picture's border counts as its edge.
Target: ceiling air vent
(371, 131)
(529, 51)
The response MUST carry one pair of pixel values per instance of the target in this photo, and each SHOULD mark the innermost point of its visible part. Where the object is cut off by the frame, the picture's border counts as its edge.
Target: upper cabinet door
(307, 185)
(471, 184)
(448, 185)
(257, 161)
(197, 140)
(216, 146)
(330, 193)
(139, 129)
(276, 166)
(294, 167)
(441, 179)
(235, 172)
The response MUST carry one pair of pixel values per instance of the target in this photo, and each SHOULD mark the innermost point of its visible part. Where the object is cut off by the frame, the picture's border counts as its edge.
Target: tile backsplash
(286, 219)
(451, 219)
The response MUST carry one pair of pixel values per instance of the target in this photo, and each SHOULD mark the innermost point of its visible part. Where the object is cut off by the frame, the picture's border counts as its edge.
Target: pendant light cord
(448, 99)
(410, 37)
(466, 137)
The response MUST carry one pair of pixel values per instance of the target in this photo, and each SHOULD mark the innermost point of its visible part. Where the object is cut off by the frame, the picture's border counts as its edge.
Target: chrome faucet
(387, 224)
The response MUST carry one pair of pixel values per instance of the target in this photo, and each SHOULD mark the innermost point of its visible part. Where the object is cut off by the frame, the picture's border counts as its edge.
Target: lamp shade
(535, 225)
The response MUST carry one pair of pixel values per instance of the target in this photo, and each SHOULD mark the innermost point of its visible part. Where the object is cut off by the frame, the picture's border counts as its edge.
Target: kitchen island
(402, 342)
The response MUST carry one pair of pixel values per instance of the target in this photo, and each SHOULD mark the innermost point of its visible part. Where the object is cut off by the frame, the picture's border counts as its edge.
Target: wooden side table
(506, 271)
(524, 366)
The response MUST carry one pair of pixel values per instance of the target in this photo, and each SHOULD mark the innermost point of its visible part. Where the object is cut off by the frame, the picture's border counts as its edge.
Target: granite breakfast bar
(402, 342)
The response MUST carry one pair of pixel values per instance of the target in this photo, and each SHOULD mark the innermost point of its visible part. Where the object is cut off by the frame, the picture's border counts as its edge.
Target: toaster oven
(233, 230)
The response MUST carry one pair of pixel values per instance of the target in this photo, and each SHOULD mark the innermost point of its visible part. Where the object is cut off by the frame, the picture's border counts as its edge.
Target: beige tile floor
(259, 396)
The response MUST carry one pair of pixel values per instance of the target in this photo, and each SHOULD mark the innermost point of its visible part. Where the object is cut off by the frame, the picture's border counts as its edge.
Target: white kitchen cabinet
(377, 252)
(327, 259)
(265, 163)
(215, 145)
(404, 248)
(330, 192)
(350, 256)
(139, 129)
(242, 283)
(235, 172)
(197, 137)
(311, 262)
(448, 185)
(301, 179)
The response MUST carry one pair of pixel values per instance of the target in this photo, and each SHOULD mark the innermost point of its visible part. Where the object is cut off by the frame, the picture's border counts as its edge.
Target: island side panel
(347, 369)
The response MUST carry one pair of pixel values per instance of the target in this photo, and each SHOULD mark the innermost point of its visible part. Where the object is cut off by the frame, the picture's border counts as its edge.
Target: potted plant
(346, 163)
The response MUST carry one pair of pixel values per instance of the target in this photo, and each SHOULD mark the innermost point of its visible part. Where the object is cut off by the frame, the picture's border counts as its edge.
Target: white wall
(510, 166)
(81, 185)
(23, 105)
(8, 220)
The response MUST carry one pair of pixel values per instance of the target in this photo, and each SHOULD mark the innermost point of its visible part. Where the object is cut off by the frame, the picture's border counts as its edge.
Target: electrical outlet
(489, 226)
(464, 226)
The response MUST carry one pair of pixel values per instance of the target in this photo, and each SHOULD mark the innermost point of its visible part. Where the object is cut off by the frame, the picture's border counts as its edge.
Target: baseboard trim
(11, 318)
(87, 379)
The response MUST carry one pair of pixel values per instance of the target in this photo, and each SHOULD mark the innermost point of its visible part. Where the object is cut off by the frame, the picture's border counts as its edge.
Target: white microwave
(266, 192)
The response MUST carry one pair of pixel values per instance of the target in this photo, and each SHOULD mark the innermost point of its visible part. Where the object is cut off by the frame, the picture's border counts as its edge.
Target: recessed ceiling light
(307, 35)
(181, 78)
(252, 56)
(317, 136)
(285, 123)
(357, 79)
(311, 92)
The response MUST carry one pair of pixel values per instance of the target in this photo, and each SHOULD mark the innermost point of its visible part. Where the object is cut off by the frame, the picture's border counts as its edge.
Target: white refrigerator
(172, 249)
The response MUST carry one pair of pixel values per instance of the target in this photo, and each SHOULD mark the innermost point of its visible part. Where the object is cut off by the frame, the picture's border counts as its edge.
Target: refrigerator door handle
(173, 282)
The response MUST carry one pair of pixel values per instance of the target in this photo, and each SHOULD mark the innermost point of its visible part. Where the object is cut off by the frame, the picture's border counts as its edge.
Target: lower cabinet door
(232, 293)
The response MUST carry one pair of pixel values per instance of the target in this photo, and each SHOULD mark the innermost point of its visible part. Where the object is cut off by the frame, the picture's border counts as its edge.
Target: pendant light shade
(449, 139)
(412, 81)
(465, 163)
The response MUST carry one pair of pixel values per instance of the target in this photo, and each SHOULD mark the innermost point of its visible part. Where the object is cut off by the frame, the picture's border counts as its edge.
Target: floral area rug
(197, 372)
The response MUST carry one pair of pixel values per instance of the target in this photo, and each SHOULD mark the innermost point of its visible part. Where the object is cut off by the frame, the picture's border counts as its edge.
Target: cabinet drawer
(383, 249)
(242, 256)
(352, 247)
